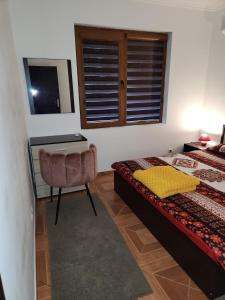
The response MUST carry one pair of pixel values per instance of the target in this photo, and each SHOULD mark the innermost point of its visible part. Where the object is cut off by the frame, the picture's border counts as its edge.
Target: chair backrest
(64, 170)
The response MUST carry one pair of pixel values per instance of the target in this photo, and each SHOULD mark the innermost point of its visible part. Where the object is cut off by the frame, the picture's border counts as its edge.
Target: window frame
(122, 37)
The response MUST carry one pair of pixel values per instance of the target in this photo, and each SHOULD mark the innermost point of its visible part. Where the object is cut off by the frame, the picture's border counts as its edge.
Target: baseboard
(105, 173)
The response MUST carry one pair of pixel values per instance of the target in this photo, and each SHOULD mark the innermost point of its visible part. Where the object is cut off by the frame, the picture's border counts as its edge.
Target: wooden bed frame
(209, 276)
(222, 140)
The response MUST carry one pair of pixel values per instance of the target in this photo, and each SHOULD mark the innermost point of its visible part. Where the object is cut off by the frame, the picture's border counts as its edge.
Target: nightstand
(193, 146)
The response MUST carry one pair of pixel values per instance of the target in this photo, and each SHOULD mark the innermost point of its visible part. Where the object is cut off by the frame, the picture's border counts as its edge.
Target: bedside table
(193, 146)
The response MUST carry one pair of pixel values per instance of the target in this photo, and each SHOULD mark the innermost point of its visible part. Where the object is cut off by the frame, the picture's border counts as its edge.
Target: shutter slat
(100, 70)
(93, 87)
(143, 73)
(142, 97)
(144, 48)
(102, 95)
(149, 58)
(143, 118)
(97, 76)
(99, 60)
(101, 65)
(140, 104)
(144, 90)
(143, 94)
(101, 81)
(145, 111)
(143, 81)
(144, 65)
(100, 103)
(97, 51)
(99, 111)
(101, 78)
(140, 43)
(150, 53)
(144, 84)
(102, 119)
(100, 100)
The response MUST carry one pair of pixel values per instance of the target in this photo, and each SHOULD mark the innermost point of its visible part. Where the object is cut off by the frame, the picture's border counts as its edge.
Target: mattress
(200, 215)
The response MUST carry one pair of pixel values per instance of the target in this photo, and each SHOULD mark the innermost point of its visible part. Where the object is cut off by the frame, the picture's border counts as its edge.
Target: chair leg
(58, 206)
(92, 202)
(51, 193)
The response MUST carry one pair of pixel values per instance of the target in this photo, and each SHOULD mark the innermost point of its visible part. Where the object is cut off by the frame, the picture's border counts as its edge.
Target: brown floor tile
(142, 239)
(159, 265)
(193, 285)
(39, 225)
(40, 284)
(176, 274)
(119, 209)
(41, 267)
(41, 242)
(126, 220)
(174, 290)
(196, 295)
(154, 255)
(136, 240)
(44, 293)
(105, 186)
(158, 292)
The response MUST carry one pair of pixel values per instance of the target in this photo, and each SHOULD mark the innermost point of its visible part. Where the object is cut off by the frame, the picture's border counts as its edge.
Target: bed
(191, 226)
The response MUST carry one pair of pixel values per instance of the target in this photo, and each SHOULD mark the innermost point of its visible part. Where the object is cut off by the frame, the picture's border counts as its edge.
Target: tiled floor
(165, 277)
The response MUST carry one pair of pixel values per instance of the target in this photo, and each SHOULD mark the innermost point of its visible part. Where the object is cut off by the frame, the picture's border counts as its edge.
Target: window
(121, 76)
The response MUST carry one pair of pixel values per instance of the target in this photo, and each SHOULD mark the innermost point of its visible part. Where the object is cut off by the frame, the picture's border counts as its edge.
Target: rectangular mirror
(49, 85)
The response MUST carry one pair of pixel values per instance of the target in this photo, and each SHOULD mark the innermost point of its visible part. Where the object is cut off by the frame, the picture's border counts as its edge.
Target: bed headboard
(222, 140)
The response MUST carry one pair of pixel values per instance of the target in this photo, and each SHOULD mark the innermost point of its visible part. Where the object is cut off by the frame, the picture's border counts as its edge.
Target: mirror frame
(28, 85)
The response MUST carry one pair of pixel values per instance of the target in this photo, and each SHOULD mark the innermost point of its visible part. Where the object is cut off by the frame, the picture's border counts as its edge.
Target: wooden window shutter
(121, 76)
(98, 58)
(145, 78)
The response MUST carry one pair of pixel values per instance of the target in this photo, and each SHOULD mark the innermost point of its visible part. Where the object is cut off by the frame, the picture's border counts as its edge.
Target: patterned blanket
(199, 214)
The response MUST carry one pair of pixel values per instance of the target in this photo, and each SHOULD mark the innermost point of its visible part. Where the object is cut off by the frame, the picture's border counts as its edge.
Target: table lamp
(204, 138)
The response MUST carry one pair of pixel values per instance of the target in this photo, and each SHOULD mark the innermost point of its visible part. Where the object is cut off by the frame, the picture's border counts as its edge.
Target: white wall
(44, 28)
(16, 202)
(215, 86)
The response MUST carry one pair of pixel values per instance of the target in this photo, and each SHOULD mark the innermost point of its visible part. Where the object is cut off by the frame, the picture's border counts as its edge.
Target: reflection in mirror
(49, 85)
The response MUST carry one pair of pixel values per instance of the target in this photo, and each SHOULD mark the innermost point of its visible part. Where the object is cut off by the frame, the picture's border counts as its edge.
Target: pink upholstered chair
(60, 170)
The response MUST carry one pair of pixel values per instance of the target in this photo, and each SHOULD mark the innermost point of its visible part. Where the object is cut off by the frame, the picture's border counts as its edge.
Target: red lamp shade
(204, 138)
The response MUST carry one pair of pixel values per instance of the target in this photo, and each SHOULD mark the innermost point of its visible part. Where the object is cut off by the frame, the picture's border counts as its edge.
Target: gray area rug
(89, 258)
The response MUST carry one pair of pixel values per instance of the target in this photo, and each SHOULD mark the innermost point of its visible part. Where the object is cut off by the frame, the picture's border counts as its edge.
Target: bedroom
(193, 104)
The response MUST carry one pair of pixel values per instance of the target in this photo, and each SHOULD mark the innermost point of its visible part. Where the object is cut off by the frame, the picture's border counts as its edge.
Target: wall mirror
(49, 85)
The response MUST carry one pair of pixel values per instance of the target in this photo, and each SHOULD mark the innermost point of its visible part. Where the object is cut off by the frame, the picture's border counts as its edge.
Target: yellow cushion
(165, 181)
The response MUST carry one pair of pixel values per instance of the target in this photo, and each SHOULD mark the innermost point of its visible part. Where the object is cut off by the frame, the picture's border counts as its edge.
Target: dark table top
(56, 139)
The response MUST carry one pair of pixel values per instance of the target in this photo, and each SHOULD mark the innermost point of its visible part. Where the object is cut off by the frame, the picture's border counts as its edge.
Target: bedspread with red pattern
(200, 214)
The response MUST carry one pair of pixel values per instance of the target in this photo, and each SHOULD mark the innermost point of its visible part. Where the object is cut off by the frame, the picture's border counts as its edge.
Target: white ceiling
(210, 5)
